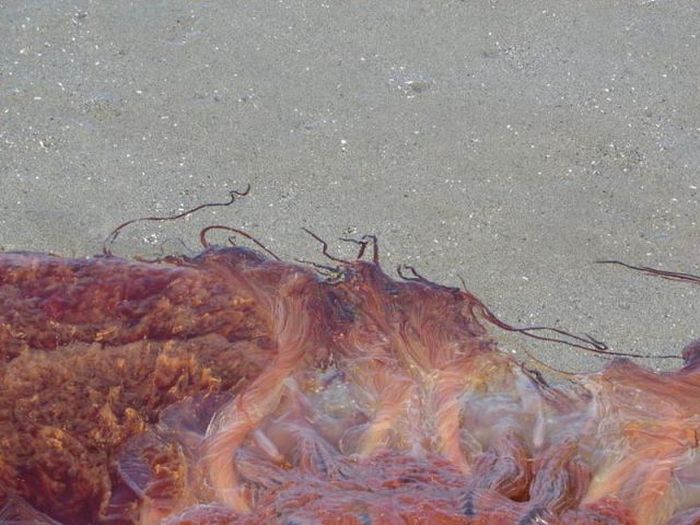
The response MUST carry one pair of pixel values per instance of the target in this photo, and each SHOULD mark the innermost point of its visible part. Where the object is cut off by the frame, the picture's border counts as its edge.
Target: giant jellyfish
(235, 388)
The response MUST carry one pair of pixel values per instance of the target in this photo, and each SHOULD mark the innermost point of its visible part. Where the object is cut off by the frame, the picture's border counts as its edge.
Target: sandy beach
(510, 143)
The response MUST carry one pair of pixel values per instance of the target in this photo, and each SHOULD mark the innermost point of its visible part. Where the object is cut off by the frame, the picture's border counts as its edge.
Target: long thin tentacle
(112, 237)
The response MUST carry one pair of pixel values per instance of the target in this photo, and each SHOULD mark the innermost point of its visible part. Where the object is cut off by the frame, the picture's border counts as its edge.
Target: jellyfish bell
(235, 388)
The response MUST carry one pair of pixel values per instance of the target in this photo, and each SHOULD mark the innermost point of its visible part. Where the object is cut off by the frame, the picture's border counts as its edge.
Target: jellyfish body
(233, 388)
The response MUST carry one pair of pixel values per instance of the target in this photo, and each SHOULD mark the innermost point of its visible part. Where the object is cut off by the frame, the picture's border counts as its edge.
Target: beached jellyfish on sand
(235, 388)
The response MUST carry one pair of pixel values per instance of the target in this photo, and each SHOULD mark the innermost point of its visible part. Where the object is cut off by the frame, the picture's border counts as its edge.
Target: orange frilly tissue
(234, 388)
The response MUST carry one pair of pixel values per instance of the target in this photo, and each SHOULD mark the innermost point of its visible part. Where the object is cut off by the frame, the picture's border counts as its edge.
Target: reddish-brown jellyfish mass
(234, 388)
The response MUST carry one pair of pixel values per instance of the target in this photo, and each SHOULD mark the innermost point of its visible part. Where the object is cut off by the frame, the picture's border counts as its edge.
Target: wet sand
(510, 143)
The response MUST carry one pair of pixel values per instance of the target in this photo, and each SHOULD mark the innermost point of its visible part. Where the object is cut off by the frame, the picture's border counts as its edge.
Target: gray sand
(512, 143)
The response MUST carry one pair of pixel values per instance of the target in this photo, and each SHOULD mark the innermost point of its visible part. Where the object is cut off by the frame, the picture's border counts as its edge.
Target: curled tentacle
(112, 237)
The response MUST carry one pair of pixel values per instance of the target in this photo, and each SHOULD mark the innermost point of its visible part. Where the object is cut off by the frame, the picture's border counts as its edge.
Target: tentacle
(665, 274)
(205, 242)
(363, 243)
(112, 237)
(585, 342)
(324, 249)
